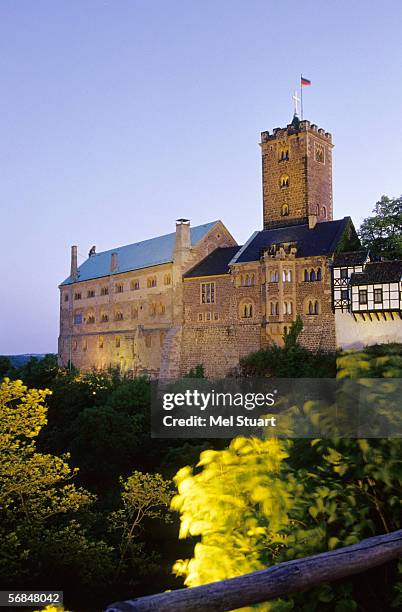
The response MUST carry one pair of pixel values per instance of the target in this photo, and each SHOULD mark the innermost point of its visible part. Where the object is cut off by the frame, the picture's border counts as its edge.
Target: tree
(144, 497)
(382, 232)
(5, 366)
(260, 502)
(41, 511)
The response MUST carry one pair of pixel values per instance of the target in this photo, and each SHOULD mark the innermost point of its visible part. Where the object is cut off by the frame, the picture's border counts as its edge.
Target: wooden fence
(276, 581)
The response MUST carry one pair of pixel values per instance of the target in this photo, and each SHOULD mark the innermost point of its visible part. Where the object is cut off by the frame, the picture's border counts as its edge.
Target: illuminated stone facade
(195, 297)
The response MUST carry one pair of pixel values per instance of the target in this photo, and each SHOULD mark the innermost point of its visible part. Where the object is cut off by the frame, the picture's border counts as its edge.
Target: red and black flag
(304, 82)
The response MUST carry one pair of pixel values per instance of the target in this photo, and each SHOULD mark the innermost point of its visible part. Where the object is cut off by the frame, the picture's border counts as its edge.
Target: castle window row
(154, 309)
(286, 276)
(208, 316)
(247, 280)
(274, 308)
(119, 287)
(312, 275)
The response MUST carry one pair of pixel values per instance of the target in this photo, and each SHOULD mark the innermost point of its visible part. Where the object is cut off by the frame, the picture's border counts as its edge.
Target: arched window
(162, 308)
(247, 281)
(284, 181)
(316, 307)
(310, 308)
(118, 316)
(312, 275)
(324, 212)
(289, 308)
(285, 210)
(274, 309)
(90, 318)
(117, 342)
(306, 276)
(167, 279)
(246, 310)
(277, 276)
(319, 274)
(101, 342)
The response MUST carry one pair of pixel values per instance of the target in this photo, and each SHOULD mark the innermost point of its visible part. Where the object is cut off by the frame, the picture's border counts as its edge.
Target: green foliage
(291, 336)
(39, 372)
(197, 372)
(289, 361)
(5, 366)
(38, 503)
(260, 502)
(144, 497)
(381, 233)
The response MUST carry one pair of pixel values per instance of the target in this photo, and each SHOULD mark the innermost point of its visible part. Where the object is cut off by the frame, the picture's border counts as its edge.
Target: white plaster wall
(357, 334)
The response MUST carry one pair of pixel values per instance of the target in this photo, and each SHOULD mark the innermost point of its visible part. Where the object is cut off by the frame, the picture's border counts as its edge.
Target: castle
(194, 296)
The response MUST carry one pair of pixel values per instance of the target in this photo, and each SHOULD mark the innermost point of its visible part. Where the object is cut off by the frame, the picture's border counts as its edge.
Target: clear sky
(119, 116)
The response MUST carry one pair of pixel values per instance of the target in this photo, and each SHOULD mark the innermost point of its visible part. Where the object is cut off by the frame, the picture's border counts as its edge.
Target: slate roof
(321, 240)
(215, 263)
(136, 256)
(378, 272)
(351, 258)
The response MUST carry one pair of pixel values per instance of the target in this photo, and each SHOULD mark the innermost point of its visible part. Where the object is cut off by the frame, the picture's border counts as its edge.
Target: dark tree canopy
(382, 232)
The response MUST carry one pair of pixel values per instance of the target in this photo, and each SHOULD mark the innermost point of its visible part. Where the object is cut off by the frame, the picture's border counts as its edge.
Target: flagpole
(301, 97)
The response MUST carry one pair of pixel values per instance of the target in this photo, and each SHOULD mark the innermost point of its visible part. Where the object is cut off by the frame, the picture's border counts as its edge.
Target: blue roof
(323, 239)
(135, 256)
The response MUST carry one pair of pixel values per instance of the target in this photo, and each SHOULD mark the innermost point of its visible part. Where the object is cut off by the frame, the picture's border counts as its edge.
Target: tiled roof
(215, 263)
(136, 256)
(321, 240)
(351, 258)
(378, 272)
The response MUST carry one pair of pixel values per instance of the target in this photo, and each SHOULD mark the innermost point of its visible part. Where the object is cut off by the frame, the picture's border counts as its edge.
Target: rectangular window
(378, 296)
(363, 296)
(344, 273)
(77, 319)
(200, 316)
(344, 294)
(207, 293)
(66, 297)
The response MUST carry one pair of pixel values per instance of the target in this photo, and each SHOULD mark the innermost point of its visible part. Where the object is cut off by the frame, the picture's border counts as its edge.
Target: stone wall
(307, 165)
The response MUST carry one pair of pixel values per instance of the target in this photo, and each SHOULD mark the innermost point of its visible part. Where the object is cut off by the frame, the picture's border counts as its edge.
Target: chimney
(113, 262)
(312, 221)
(183, 240)
(74, 264)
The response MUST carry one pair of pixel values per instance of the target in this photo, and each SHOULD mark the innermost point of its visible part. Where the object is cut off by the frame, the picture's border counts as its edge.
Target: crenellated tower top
(296, 174)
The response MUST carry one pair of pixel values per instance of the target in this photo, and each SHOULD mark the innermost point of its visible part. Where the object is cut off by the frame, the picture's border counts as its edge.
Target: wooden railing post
(276, 581)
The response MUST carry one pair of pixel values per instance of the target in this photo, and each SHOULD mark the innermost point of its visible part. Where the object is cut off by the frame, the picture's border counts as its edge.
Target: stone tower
(296, 175)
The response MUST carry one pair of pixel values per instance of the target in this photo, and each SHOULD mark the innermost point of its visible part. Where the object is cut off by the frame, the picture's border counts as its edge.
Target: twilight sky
(119, 116)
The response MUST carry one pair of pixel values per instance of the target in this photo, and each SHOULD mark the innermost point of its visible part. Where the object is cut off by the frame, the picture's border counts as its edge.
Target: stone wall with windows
(123, 320)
